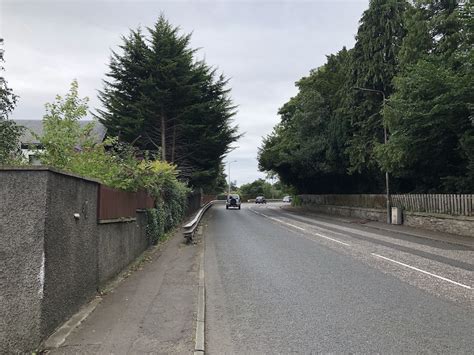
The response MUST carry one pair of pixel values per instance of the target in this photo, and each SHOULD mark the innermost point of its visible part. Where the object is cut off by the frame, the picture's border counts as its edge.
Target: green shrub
(155, 228)
(70, 147)
(296, 201)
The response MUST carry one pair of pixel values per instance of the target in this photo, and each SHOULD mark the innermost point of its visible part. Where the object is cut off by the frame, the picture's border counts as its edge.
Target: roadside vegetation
(168, 118)
(415, 77)
(260, 187)
(10, 132)
(158, 97)
(68, 146)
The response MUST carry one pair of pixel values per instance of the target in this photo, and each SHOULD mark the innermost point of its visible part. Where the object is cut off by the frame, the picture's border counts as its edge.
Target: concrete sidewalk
(151, 311)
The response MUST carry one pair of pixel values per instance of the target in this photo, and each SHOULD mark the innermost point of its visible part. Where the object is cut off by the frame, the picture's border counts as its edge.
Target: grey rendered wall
(70, 248)
(50, 262)
(119, 244)
(22, 216)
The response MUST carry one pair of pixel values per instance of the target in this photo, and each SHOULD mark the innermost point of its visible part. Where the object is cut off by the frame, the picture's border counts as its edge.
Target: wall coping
(48, 168)
(361, 194)
(117, 220)
(346, 207)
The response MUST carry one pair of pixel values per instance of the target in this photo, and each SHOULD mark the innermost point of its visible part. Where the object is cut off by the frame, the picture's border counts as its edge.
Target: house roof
(36, 127)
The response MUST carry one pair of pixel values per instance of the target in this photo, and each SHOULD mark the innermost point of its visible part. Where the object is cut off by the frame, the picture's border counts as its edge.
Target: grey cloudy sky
(263, 46)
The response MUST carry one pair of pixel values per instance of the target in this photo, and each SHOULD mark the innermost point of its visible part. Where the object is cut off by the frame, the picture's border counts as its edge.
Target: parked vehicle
(233, 201)
(287, 199)
(260, 199)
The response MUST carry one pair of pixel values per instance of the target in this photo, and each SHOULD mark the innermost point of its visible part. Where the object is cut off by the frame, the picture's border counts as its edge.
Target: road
(279, 282)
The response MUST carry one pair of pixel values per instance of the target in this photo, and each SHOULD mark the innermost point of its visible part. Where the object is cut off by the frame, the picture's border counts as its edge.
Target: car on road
(287, 199)
(260, 199)
(233, 201)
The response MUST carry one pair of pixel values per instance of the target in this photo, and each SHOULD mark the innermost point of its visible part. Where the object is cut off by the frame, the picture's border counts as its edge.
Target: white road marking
(287, 224)
(374, 254)
(292, 225)
(277, 220)
(423, 271)
(334, 240)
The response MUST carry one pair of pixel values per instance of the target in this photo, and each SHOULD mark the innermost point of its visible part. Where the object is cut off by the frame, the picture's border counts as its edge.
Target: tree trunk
(173, 144)
(163, 136)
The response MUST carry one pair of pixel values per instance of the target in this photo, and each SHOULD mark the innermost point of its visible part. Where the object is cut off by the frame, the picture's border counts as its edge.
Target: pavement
(277, 280)
(283, 282)
(153, 310)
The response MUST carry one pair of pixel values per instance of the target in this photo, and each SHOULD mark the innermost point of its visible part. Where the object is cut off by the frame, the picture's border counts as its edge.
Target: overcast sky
(262, 46)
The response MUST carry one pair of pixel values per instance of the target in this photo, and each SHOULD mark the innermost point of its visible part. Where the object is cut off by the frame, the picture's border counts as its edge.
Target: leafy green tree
(418, 41)
(61, 128)
(7, 98)
(10, 152)
(327, 135)
(430, 114)
(307, 148)
(374, 64)
(256, 188)
(10, 132)
(160, 99)
(261, 187)
(419, 56)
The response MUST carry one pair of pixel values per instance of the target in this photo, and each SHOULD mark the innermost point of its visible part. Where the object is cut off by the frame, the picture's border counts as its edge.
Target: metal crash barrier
(190, 228)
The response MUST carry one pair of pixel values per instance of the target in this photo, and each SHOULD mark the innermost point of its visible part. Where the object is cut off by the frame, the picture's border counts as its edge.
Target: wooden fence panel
(452, 204)
(115, 204)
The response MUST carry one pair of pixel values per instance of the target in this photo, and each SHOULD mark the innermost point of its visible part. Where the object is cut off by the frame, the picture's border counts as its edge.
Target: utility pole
(228, 166)
(273, 188)
(387, 181)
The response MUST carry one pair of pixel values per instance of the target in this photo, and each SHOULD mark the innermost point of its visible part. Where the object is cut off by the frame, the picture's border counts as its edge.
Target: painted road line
(277, 220)
(423, 271)
(286, 224)
(292, 225)
(334, 240)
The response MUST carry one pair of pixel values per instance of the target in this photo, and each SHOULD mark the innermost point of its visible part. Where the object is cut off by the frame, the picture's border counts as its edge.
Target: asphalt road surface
(279, 282)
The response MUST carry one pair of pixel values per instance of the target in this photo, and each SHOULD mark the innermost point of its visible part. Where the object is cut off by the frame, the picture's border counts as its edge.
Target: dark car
(260, 199)
(233, 201)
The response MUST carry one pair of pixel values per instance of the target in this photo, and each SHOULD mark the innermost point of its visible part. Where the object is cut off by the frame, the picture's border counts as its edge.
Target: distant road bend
(280, 282)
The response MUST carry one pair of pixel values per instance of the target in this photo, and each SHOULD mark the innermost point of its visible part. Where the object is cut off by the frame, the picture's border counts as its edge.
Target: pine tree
(121, 98)
(374, 64)
(161, 99)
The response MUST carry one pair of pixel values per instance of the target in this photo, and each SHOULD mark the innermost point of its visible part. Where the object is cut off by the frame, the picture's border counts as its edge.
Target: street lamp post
(387, 184)
(228, 166)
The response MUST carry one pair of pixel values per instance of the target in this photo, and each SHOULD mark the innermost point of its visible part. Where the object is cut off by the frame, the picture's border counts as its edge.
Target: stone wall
(51, 261)
(460, 225)
(351, 212)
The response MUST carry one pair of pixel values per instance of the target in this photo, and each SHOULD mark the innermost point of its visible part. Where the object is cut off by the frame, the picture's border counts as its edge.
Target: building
(33, 128)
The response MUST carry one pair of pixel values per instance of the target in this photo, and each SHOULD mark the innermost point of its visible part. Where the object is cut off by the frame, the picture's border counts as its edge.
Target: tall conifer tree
(374, 64)
(160, 99)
